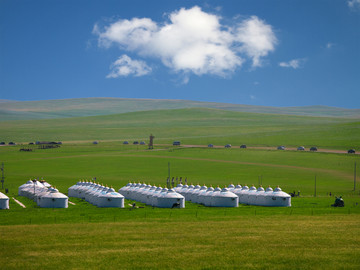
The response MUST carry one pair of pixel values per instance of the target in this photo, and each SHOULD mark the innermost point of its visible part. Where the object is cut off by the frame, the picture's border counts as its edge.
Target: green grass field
(311, 234)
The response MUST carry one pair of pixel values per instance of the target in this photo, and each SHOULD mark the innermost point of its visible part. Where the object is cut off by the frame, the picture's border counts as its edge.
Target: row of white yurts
(96, 194)
(260, 196)
(153, 195)
(4, 201)
(208, 196)
(43, 194)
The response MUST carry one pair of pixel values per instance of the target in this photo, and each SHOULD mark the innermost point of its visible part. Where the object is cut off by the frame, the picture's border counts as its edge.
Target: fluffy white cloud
(257, 37)
(192, 41)
(295, 63)
(354, 4)
(125, 66)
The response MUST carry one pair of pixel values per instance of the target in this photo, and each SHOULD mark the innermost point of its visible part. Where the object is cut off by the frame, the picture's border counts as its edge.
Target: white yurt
(90, 193)
(187, 191)
(237, 188)
(279, 198)
(266, 199)
(72, 189)
(258, 198)
(24, 186)
(183, 189)
(193, 193)
(242, 194)
(155, 195)
(110, 199)
(250, 195)
(148, 194)
(224, 198)
(170, 199)
(53, 199)
(123, 190)
(178, 187)
(94, 199)
(197, 195)
(205, 197)
(4, 201)
(231, 187)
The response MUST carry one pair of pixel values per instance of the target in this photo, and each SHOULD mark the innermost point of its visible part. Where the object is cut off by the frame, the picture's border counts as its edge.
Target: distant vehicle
(135, 142)
(12, 143)
(351, 151)
(176, 143)
(243, 146)
(126, 142)
(228, 146)
(211, 145)
(142, 143)
(31, 143)
(301, 148)
(2, 143)
(281, 147)
(95, 142)
(59, 143)
(313, 149)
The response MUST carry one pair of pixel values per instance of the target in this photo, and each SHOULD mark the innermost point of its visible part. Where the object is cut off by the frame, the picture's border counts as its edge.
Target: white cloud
(125, 66)
(257, 37)
(295, 63)
(192, 41)
(353, 4)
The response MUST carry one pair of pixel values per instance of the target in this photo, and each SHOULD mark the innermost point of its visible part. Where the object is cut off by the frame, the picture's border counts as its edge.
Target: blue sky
(271, 53)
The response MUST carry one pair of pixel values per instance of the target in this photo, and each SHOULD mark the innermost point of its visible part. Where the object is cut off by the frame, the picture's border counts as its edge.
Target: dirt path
(266, 148)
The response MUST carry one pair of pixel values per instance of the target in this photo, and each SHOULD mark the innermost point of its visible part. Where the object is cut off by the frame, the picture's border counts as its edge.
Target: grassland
(79, 107)
(310, 234)
(193, 126)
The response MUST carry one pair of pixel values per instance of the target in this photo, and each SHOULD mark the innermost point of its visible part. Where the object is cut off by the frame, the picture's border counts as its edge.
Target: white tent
(231, 187)
(110, 199)
(154, 196)
(248, 198)
(72, 189)
(258, 198)
(187, 191)
(279, 198)
(205, 197)
(24, 186)
(53, 199)
(170, 199)
(178, 187)
(124, 189)
(193, 193)
(224, 198)
(4, 201)
(197, 195)
(242, 194)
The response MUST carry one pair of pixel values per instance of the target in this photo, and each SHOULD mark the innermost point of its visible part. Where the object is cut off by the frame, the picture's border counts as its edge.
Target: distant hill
(64, 108)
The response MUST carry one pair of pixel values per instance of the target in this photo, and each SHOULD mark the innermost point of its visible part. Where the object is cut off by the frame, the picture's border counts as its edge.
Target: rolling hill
(49, 109)
(192, 126)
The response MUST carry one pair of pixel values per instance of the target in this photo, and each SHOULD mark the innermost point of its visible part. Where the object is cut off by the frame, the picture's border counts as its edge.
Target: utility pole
(2, 175)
